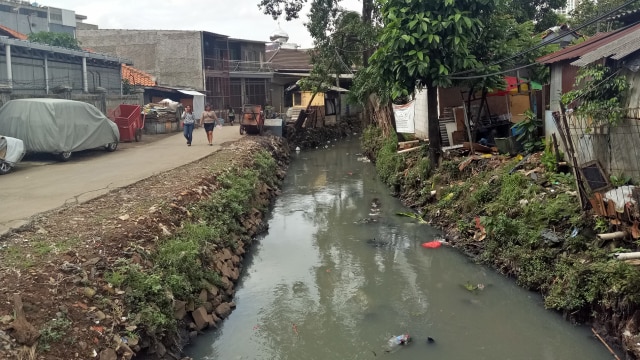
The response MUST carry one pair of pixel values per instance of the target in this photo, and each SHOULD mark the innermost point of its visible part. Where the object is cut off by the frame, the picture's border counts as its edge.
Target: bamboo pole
(605, 344)
(613, 235)
(467, 124)
(627, 256)
(573, 156)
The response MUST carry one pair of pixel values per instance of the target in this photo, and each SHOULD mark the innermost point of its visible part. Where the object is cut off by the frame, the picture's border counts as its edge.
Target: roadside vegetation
(181, 265)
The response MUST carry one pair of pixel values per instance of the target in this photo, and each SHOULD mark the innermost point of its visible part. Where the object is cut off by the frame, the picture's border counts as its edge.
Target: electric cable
(550, 40)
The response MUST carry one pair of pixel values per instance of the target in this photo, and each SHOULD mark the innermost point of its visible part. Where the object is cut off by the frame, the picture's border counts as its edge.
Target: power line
(492, 74)
(548, 41)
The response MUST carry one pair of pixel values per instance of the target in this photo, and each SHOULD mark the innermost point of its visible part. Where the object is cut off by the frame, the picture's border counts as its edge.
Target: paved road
(38, 186)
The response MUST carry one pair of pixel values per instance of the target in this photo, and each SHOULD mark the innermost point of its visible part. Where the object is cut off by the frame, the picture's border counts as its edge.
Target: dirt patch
(57, 264)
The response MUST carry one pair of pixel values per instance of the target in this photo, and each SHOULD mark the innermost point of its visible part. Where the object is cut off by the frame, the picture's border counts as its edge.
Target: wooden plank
(611, 209)
(408, 150)
(477, 147)
(408, 144)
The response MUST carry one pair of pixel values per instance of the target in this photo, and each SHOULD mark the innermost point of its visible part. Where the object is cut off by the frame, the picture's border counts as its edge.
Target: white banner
(404, 115)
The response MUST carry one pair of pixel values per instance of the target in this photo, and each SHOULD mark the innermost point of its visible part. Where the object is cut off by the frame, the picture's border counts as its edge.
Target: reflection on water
(335, 279)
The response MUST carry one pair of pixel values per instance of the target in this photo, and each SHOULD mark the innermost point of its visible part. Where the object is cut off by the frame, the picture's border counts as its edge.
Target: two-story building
(228, 71)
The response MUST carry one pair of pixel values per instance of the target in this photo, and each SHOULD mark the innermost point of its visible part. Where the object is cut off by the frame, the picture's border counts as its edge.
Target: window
(297, 99)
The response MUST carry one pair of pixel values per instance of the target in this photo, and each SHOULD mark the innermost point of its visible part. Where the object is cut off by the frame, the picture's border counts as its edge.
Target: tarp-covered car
(58, 126)
(11, 152)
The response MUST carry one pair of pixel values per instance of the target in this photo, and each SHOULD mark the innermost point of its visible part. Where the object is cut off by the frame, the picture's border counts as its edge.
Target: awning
(191, 92)
(198, 101)
(512, 86)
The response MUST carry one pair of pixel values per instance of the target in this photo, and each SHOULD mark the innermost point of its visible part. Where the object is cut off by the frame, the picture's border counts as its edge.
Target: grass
(27, 255)
(53, 331)
(181, 263)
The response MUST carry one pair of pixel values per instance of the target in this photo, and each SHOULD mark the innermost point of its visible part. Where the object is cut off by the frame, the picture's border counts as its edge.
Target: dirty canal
(336, 279)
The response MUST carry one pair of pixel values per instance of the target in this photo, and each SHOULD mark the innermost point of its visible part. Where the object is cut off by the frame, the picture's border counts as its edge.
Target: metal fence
(606, 158)
(616, 148)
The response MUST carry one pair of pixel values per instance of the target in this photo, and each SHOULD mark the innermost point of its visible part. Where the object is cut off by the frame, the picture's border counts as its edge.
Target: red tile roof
(5, 31)
(593, 43)
(137, 77)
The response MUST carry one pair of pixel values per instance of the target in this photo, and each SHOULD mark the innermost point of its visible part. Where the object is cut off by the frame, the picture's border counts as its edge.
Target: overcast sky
(235, 18)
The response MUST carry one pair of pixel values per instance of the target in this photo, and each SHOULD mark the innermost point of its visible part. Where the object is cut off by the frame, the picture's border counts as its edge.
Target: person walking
(188, 122)
(232, 115)
(209, 119)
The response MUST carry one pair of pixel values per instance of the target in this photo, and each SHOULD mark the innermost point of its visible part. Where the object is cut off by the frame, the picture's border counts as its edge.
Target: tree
(55, 39)
(541, 12)
(590, 9)
(422, 42)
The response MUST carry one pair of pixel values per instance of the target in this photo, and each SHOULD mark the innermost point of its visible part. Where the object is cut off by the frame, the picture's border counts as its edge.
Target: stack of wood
(161, 116)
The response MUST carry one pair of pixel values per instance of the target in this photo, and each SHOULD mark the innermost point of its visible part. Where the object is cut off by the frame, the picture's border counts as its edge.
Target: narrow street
(34, 188)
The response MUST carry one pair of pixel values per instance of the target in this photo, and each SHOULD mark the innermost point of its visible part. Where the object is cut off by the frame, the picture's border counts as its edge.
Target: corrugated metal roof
(616, 49)
(291, 59)
(594, 43)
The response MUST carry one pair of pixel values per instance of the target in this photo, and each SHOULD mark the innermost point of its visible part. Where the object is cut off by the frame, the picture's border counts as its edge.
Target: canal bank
(143, 269)
(524, 220)
(338, 273)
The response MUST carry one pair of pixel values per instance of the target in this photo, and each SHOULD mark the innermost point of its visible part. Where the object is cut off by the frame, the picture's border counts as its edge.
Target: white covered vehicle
(58, 126)
(11, 152)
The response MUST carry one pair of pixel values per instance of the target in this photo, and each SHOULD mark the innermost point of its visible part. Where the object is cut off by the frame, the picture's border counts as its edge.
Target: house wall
(277, 97)
(421, 116)
(317, 101)
(453, 97)
(173, 57)
(20, 22)
(615, 148)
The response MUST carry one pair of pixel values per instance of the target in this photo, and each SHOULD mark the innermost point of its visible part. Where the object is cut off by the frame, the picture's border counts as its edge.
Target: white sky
(235, 18)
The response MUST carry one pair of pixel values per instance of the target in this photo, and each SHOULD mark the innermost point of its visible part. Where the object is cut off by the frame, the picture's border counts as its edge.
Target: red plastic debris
(432, 244)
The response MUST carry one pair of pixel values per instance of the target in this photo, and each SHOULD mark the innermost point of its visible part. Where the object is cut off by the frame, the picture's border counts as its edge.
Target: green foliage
(548, 158)
(389, 162)
(371, 140)
(619, 180)
(53, 331)
(179, 267)
(534, 266)
(541, 12)
(529, 130)
(55, 39)
(586, 10)
(581, 282)
(599, 94)
(418, 174)
(423, 42)
(127, 87)
(601, 225)
(483, 194)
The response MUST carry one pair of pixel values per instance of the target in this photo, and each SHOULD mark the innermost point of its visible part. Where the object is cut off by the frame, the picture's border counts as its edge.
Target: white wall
(555, 95)
(421, 115)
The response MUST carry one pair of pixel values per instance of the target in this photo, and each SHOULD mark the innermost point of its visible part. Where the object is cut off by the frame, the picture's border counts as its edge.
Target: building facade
(567, 10)
(27, 17)
(229, 71)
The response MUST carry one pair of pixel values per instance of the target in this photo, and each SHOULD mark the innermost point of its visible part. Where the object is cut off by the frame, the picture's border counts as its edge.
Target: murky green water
(318, 286)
